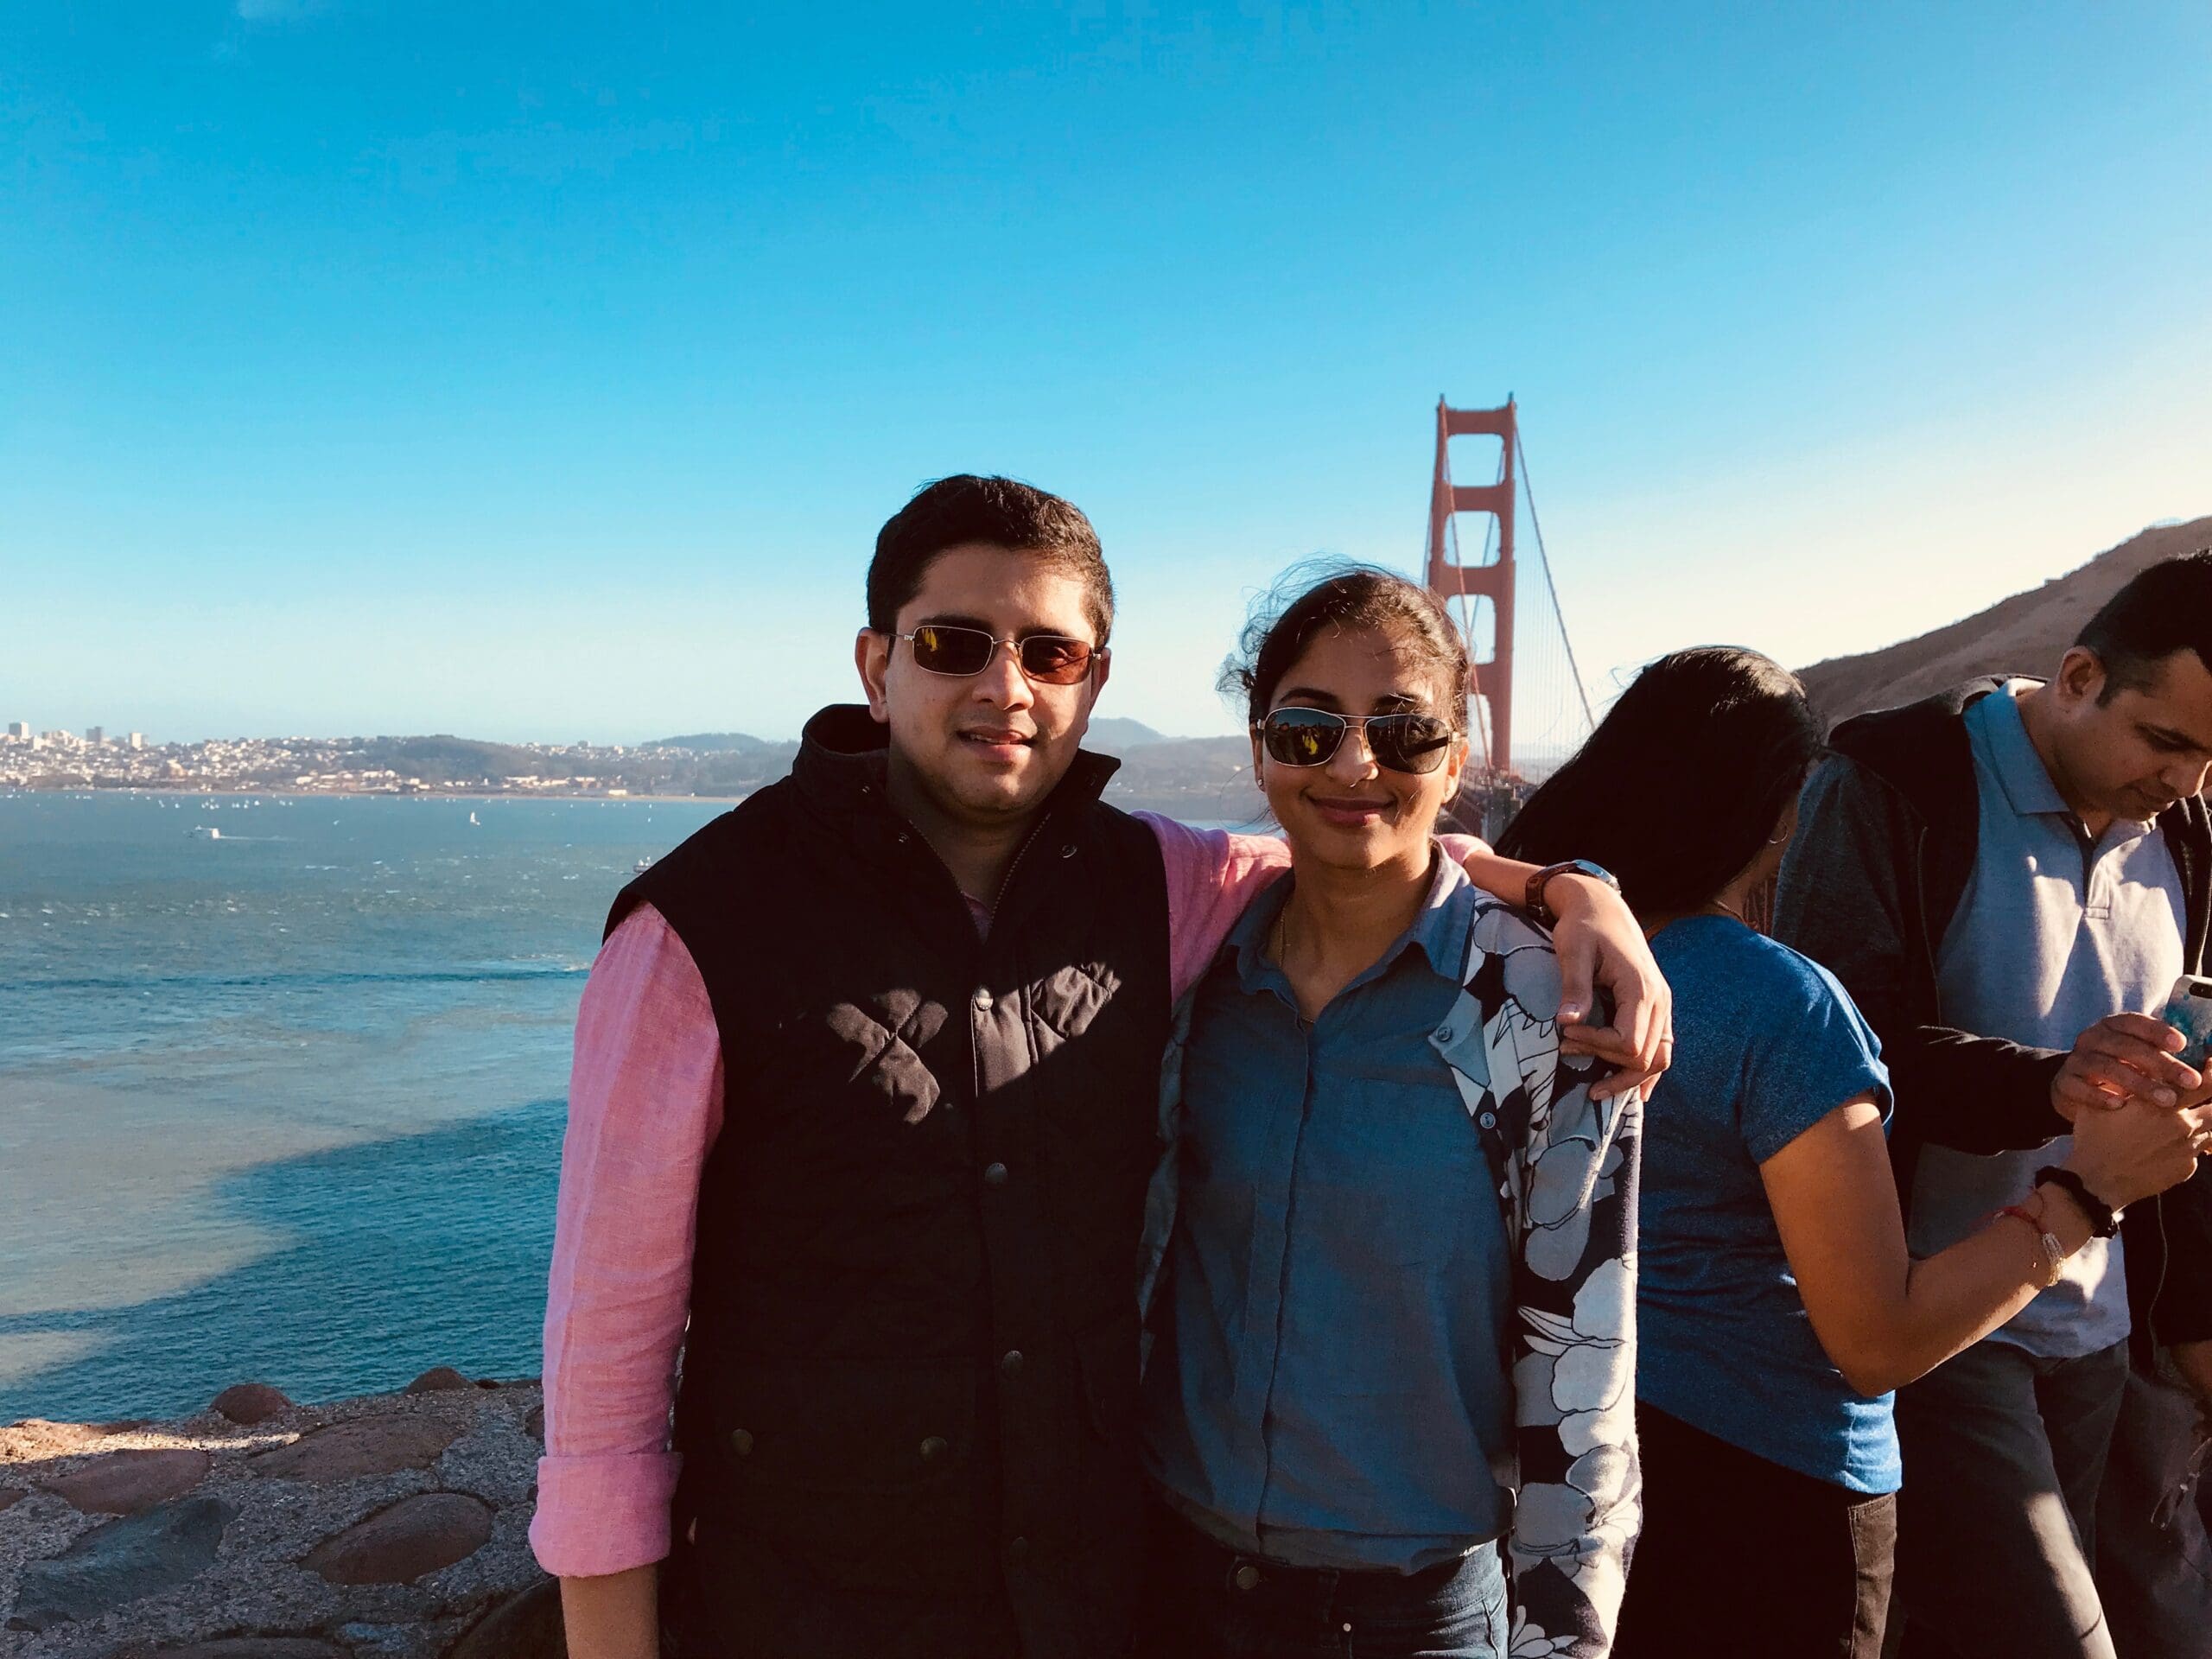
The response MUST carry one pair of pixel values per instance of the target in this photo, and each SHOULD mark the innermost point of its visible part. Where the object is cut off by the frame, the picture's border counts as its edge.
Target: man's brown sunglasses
(1048, 658)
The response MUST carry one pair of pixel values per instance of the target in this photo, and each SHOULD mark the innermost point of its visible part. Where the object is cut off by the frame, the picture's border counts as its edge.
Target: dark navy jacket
(910, 1379)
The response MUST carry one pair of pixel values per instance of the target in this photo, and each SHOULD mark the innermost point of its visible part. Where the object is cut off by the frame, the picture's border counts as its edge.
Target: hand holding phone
(2188, 1011)
(2126, 1056)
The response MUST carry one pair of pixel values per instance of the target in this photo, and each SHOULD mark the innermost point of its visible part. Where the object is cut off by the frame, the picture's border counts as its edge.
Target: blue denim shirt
(1328, 1388)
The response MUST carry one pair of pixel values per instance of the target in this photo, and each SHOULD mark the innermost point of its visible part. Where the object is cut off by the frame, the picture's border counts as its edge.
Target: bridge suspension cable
(1551, 587)
(1530, 708)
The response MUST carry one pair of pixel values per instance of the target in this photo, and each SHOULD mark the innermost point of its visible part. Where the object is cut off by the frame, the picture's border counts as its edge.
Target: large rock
(360, 1445)
(121, 1562)
(35, 1437)
(249, 1403)
(130, 1483)
(439, 1379)
(254, 1599)
(245, 1647)
(526, 1625)
(398, 1545)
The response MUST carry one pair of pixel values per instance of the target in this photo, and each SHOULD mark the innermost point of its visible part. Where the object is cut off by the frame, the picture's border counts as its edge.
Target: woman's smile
(1351, 811)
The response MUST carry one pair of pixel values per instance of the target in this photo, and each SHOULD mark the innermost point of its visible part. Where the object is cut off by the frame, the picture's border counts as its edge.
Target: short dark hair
(1331, 594)
(2164, 609)
(1683, 781)
(1004, 512)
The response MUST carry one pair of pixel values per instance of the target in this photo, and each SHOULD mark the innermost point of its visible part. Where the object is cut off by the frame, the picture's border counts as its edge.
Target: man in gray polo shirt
(2008, 878)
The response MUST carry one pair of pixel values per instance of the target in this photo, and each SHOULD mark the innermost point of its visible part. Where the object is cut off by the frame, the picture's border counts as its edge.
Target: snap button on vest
(740, 1441)
(1247, 1577)
(995, 1175)
(933, 1448)
(983, 999)
(1011, 1364)
(1017, 1548)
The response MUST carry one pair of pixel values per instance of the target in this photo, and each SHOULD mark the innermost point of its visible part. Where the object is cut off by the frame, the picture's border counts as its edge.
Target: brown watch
(1543, 913)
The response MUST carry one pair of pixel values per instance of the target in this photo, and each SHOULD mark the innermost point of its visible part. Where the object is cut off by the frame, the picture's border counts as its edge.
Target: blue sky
(545, 371)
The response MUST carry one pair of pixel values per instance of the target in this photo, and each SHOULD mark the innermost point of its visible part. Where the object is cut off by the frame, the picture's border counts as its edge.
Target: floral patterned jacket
(1567, 1171)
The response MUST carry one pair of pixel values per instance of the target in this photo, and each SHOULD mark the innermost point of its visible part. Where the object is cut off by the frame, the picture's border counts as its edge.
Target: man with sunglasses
(865, 1086)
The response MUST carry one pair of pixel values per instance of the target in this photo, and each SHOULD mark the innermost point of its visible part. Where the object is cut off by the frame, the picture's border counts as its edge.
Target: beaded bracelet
(2053, 1255)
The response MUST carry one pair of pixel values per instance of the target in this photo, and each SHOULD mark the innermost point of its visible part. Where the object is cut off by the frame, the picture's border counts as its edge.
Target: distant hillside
(1114, 733)
(1191, 776)
(718, 743)
(736, 766)
(2027, 633)
(447, 758)
(1186, 778)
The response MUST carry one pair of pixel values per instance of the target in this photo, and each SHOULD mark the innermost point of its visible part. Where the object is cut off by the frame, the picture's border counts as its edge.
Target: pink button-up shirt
(645, 1108)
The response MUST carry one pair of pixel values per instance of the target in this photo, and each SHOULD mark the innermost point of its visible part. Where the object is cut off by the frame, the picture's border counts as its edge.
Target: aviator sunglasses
(1311, 737)
(1048, 658)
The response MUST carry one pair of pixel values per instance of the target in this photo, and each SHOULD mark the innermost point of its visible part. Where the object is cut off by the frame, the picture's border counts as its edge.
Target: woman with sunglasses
(1388, 1288)
(1778, 1306)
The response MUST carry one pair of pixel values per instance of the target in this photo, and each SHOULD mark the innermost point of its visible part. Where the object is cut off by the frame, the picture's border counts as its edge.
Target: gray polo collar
(2020, 771)
(2013, 756)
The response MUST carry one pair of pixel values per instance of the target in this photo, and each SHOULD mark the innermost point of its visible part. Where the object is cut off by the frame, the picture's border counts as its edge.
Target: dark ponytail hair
(1683, 783)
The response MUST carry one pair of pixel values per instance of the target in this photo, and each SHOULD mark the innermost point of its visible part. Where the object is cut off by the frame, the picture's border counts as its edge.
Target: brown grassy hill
(2027, 633)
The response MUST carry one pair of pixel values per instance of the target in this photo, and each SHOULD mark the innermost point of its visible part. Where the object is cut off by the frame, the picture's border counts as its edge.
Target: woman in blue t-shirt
(1776, 1304)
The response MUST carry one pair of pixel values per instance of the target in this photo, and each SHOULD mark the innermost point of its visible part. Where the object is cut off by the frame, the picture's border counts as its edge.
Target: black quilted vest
(910, 1374)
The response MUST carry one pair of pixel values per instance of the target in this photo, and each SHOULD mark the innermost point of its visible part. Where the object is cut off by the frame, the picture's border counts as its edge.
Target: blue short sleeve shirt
(1767, 1044)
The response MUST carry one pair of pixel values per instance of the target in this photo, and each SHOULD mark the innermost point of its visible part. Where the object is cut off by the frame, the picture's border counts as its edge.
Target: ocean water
(286, 1104)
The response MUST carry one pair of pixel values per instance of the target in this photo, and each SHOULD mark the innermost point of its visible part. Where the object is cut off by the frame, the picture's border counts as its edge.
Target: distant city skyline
(543, 376)
(94, 735)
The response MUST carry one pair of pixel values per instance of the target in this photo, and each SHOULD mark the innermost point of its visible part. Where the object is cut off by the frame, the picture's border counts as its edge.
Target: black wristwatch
(1542, 911)
(2104, 1220)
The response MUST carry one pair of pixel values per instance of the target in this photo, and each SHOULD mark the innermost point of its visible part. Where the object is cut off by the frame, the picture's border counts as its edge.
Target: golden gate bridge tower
(1529, 707)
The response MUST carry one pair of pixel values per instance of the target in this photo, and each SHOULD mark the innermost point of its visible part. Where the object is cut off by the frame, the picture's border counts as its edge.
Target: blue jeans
(1203, 1600)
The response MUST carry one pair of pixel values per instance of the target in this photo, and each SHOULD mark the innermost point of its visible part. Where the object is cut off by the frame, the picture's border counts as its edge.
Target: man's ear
(2081, 676)
(872, 656)
(1093, 684)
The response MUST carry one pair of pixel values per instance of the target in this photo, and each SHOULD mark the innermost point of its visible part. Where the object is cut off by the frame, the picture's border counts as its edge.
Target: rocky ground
(392, 1527)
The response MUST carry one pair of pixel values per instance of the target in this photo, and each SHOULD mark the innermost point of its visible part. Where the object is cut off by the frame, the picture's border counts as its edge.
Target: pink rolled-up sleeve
(644, 1104)
(1213, 875)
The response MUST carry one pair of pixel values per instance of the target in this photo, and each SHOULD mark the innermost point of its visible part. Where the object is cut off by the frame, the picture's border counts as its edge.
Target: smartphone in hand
(2188, 1011)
